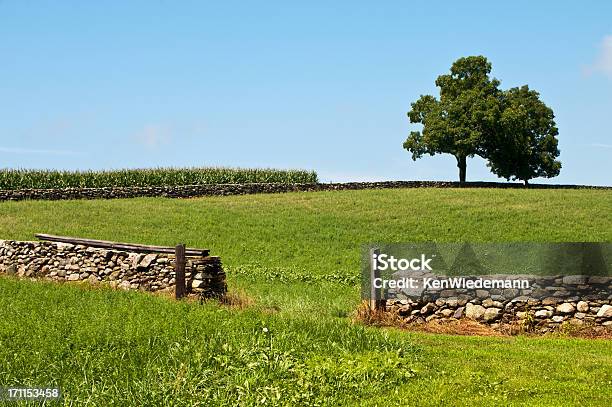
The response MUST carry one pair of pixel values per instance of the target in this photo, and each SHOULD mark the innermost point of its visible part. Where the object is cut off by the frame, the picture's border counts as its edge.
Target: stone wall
(189, 191)
(204, 276)
(544, 306)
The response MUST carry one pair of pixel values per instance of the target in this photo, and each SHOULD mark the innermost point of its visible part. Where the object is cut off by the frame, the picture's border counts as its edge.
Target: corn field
(51, 179)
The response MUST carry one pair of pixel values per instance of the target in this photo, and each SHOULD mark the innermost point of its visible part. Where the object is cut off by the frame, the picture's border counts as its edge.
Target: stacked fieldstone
(189, 191)
(204, 276)
(548, 303)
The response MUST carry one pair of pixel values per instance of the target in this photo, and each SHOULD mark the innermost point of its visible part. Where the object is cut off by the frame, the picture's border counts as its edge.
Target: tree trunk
(526, 182)
(462, 165)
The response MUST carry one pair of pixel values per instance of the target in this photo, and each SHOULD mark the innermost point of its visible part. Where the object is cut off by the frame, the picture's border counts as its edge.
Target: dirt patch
(237, 300)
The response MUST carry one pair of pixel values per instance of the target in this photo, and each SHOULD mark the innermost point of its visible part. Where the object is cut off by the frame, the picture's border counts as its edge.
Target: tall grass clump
(152, 177)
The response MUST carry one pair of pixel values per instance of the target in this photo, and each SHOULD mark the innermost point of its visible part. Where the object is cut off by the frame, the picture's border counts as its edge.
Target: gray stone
(540, 293)
(482, 293)
(459, 313)
(147, 260)
(575, 279)
(490, 303)
(491, 314)
(555, 288)
(74, 277)
(475, 312)
(533, 301)
(565, 308)
(511, 293)
(452, 302)
(447, 313)
(197, 283)
(428, 308)
(543, 313)
(550, 301)
(582, 306)
(599, 280)
(134, 259)
(605, 311)
(558, 318)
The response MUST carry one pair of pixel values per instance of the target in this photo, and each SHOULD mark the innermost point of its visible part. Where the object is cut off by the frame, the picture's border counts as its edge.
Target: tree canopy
(527, 146)
(513, 129)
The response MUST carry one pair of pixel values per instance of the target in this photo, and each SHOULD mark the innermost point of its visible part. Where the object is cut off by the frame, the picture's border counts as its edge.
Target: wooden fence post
(179, 268)
(376, 301)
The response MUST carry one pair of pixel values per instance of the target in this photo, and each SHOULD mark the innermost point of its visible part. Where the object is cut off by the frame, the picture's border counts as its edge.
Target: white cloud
(603, 63)
(599, 145)
(153, 136)
(36, 151)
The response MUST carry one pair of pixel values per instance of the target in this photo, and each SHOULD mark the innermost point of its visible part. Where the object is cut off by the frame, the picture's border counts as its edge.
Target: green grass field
(297, 256)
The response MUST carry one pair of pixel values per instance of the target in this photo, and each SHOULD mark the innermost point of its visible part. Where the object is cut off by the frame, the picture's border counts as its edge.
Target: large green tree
(514, 130)
(465, 115)
(526, 146)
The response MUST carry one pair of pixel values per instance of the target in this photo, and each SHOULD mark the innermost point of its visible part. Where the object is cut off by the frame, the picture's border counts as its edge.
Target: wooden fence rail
(105, 244)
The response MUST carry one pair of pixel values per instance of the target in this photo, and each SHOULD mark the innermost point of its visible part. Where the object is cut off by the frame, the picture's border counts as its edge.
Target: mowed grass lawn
(297, 257)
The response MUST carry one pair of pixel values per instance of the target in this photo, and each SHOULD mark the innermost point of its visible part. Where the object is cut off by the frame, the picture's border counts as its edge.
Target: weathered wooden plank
(106, 244)
(179, 268)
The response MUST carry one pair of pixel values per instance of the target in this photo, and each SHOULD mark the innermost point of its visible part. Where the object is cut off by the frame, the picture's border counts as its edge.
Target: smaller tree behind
(525, 145)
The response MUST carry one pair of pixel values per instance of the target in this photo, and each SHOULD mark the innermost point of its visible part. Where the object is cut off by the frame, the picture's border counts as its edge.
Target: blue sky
(271, 84)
